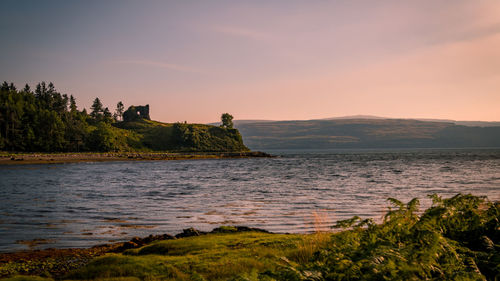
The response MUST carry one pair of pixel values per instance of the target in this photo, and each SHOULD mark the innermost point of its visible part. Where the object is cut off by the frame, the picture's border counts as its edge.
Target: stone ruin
(136, 112)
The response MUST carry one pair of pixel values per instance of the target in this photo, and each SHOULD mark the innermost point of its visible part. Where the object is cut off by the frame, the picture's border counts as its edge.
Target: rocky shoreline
(58, 262)
(57, 158)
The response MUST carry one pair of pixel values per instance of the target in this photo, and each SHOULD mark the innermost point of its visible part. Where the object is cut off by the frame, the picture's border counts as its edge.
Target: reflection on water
(83, 204)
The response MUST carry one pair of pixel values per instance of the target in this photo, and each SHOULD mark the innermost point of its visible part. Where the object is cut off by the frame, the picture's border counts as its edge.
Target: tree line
(45, 120)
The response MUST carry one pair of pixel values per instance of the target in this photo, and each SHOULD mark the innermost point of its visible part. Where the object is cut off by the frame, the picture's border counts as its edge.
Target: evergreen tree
(72, 104)
(37, 121)
(97, 110)
(5, 86)
(107, 116)
(27, 89)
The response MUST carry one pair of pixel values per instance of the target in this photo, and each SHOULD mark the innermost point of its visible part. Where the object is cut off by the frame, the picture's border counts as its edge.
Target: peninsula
(45, 126)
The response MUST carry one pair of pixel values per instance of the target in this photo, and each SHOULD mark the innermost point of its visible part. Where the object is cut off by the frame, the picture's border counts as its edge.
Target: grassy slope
(211, 257)
(152, 134)
(456, 239)
(128, 140)
(158, 136)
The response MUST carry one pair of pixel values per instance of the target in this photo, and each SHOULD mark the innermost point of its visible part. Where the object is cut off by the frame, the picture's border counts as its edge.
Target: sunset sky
(276, 60)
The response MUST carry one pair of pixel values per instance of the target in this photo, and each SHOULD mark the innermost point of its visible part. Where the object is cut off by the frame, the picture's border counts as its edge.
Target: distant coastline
(7, 158)
(365, 134)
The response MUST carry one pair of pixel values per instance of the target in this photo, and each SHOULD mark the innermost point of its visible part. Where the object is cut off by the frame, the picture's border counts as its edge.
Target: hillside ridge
(365, 133)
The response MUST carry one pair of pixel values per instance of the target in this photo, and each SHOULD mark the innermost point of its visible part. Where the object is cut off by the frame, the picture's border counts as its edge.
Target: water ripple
(82, 204)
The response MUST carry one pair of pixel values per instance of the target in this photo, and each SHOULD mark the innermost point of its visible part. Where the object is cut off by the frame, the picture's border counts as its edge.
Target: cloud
(170, 66)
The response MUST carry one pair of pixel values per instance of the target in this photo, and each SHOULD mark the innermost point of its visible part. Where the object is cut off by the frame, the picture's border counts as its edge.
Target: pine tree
(72, 104)
(97, 110)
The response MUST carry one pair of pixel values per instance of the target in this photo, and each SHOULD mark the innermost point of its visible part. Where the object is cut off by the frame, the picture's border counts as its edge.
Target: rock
(231, 229)
(128, 245)
(166, 237)
(137, 240)
(224, 229)
(148, 239)
(188, 232)
(246, 228)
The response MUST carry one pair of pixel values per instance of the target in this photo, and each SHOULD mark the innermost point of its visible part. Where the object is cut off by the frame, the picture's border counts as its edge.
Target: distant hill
(355, 117)
(365, 133)
(464, 123)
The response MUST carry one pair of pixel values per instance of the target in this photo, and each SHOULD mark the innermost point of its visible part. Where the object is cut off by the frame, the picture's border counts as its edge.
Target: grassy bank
(456, 239)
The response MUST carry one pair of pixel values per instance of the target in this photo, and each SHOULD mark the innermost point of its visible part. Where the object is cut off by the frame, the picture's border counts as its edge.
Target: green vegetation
(184, 137)
(227, 120)
(456, 239)
(209, 257)
(48, 121)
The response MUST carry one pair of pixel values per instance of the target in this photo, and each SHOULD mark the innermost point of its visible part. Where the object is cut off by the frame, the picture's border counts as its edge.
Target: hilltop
(365, 133)
(158, 136)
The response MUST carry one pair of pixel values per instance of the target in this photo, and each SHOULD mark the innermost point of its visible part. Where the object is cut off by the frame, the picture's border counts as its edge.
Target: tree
(5, 86)
(108, 117)
(227, 121)
(50, 132)
(119, 111)
(97, 109)
(72, 104)
(27, 88)
(102, 138)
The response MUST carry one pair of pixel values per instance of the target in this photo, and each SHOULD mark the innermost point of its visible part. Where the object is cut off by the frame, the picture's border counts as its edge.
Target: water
(84, 204)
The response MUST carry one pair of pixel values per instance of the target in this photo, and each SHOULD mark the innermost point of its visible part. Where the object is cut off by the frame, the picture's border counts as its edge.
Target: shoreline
(59, 158)
(64, 260)
(405, 244)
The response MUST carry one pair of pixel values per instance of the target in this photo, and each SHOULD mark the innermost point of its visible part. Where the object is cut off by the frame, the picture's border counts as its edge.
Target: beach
(57, 158)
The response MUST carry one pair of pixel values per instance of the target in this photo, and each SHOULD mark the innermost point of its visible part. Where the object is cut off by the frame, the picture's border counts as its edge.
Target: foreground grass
(210, 257)
(456, 239)
(219, 256)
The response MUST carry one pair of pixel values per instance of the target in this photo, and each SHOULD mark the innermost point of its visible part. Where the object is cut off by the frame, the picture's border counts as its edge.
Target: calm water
(84, 204)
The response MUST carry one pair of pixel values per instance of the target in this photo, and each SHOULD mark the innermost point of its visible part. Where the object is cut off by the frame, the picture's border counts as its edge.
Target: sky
(262, 59)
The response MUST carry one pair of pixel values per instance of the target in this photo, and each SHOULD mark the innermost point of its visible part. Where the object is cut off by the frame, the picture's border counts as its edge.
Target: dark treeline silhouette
(48, 121)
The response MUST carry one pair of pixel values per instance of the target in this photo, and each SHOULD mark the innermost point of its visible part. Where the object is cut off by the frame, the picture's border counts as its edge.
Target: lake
(84, 204)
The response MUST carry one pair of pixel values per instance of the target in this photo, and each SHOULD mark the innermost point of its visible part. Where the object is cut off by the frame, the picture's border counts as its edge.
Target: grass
(158, 136)
(208, 257)
(456, 239)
